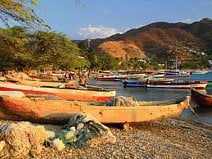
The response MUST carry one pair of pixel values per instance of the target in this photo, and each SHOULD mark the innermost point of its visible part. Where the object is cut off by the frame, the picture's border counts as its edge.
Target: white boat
(199, 72)
(176, 74)
(175, 84)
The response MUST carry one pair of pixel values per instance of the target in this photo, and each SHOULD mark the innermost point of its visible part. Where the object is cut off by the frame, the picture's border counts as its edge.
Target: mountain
(160, 41)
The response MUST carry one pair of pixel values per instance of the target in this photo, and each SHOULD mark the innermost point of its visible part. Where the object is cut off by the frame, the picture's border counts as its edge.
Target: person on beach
(85, 73)
(79, 74)
(82, 81)
(66, 76)
(72, 75)
(4, 72)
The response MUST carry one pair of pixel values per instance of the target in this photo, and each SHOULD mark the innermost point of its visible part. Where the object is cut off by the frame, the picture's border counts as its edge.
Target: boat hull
(108, 79)
(59, 111)
(134, 84)
(201, 97)
(166, 84)
(198, 84)
(65, 93)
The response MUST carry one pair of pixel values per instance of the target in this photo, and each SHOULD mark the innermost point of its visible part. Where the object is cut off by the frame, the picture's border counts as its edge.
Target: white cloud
(186, 20)
(98, 31)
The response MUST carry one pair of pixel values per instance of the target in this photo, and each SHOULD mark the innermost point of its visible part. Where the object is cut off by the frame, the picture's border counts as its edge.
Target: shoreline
(170, 138)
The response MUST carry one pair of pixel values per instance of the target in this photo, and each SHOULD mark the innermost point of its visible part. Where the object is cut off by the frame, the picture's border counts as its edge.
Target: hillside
(159, 41)
(122, 49)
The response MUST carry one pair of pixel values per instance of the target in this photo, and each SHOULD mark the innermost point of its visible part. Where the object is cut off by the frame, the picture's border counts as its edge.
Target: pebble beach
(171, 138)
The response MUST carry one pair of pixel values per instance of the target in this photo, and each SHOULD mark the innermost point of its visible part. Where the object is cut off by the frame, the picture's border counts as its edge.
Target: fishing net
(122, 101)
(83, 130)
(21, 139)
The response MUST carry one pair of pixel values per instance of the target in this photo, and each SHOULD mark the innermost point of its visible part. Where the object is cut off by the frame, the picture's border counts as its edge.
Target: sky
(103, 18)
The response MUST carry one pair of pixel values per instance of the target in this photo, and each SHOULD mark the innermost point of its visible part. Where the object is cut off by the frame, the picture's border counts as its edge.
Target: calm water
(139, 93)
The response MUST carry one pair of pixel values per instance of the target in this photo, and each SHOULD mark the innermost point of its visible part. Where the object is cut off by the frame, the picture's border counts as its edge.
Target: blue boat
(127, 83)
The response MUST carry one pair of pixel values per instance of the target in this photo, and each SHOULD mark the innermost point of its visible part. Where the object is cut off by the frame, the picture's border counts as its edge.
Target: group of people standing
(82, 76)
(69, 75)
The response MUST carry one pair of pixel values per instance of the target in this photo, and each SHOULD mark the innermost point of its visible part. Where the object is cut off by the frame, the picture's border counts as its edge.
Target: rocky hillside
(160, 41)
(122, 49)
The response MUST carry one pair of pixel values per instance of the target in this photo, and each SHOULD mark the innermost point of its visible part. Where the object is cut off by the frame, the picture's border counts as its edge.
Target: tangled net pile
(122, 101)
(21, 139)
(83, 130)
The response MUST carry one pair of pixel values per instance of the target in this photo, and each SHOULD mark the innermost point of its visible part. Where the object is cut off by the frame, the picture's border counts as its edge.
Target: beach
(171, 138)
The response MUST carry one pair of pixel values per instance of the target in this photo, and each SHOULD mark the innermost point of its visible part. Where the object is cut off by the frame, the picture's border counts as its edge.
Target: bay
(202, 114)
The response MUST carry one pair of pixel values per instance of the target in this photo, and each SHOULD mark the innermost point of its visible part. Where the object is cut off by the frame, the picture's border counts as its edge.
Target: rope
(176, 95)
(203, 121)
(190, 107)
(192, 110)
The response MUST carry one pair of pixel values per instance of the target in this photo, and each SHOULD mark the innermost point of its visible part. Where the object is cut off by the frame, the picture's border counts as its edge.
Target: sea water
(202, 114)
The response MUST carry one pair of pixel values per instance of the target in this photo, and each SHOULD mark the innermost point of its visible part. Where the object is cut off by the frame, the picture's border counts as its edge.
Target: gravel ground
(172, 138)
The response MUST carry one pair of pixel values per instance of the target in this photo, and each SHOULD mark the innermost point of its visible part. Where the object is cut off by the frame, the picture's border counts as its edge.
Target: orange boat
(58, 110)
(74, 93)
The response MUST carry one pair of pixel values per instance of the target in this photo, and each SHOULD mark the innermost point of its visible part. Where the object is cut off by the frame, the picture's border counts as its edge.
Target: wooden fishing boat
(110, 78)
(201, 97)
(133, 83)
(72, 84)
(176, 74)
(58, 111)
(199, 72)
(143, 82)
(177, 85)
(71, 93)
(34, 82)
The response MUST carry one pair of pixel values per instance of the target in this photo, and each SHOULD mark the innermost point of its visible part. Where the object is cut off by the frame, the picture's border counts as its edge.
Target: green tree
(19, 48)
(92, 57)
(90, 53)
(156, 65)
(57, 49)
(20, 11)
(188, 65)
(14, 49)
(83, 47)
(106, 62)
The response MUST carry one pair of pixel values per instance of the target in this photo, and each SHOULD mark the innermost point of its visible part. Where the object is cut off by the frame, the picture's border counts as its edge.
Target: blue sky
(103, 18)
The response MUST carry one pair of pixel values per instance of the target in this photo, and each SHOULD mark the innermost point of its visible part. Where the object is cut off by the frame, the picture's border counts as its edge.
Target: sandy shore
(172, 138)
